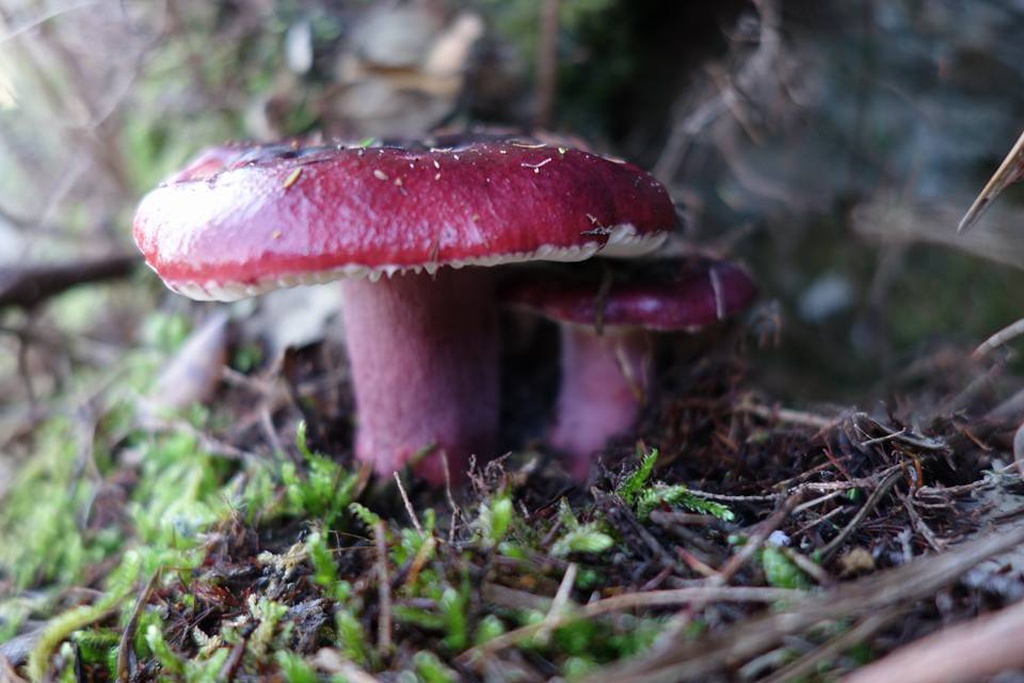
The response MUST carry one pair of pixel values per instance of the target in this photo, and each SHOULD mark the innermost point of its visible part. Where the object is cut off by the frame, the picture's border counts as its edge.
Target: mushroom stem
(424, 358)
(605, 380)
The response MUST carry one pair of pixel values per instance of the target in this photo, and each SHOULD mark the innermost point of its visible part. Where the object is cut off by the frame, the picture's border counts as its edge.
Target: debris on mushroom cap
(658, 295)
(241, 220)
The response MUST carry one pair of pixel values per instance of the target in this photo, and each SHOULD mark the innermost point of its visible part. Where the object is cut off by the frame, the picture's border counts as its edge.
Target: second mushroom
(607, 345)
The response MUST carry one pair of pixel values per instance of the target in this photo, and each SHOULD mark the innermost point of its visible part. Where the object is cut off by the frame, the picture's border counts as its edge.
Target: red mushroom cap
(239, 221)
(669, 296)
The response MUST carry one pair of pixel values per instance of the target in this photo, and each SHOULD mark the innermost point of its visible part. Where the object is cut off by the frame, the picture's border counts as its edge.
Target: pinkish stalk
(424, 356)
(605, 380)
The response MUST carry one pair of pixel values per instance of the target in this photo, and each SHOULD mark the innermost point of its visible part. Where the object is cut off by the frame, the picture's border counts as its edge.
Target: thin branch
(759, 68)
(547, 63)
(787, 415)
(383, 590)
(869, 505)
(559, 603)
(26, 287)
(754, 543)
(408, 504)
(125, 649)
(1008, 333)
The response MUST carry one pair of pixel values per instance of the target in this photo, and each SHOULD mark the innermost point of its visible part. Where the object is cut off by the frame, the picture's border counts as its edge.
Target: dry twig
(408, 504)
(1003, 336)
(383, 589)
(126, 651)
(731, 97)
(547, 63)
(876, 496)
(754, 543)
(29, 286)
(787, 415)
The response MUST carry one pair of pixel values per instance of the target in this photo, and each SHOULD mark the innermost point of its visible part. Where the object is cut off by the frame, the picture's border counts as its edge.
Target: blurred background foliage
(831, 145)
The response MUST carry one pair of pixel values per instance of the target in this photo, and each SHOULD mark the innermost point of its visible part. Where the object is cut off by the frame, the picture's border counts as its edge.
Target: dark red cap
(241, 220)
(667, 296)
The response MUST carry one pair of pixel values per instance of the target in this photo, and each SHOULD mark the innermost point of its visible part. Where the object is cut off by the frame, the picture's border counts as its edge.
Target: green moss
(182, 492)
(42, 514)
(780, 571)
(495, 517)
(178, 494)
(295, 668)
(430, 669)
(579, 538)
(637, 490)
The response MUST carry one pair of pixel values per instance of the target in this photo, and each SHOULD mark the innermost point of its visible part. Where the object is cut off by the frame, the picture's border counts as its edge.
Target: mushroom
(411, 230)
(607, 349)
